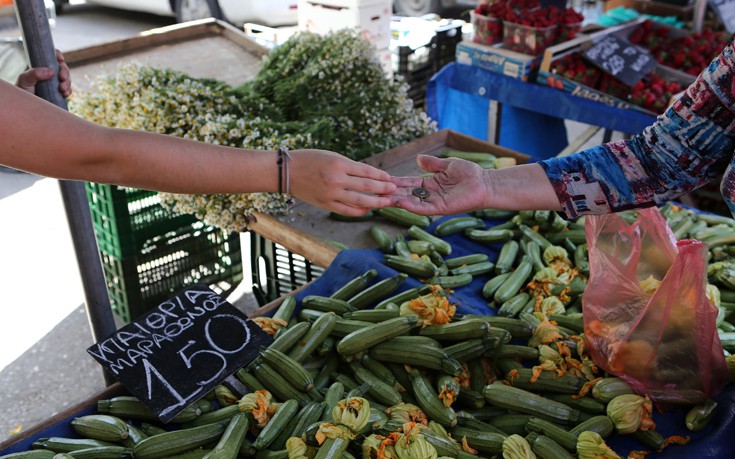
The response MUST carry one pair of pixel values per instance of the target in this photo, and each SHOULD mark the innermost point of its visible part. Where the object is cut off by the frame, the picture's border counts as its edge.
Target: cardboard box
(371, 17)
(579, 44)
(498, 60)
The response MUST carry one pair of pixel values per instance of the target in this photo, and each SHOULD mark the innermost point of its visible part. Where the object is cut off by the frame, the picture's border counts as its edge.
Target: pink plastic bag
(664, 344)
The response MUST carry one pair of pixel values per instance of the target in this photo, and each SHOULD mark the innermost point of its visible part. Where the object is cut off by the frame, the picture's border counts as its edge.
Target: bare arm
(44, 139)
(461, 186)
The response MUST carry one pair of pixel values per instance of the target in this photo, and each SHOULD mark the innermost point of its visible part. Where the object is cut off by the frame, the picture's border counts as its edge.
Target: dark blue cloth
(457, 98)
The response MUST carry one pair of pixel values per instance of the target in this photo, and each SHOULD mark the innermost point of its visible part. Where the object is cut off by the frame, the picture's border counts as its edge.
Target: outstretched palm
(457, 186)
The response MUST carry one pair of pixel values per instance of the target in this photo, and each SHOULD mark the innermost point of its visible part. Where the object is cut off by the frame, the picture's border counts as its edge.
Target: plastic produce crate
(276, 271)
(417, 66)
(196, 253)
(124, 219)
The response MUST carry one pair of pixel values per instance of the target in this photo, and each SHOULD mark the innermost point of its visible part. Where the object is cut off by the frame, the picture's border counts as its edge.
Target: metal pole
(700, 9)
(41, 52)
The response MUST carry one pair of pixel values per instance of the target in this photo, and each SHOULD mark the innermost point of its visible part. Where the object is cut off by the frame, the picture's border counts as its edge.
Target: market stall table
(712, 442)
(465, 98)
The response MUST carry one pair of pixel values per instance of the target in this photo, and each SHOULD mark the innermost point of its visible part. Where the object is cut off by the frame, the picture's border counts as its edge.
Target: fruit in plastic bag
(647, 316)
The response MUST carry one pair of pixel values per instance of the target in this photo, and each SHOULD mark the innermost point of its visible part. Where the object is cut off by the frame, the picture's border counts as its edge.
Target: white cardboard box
(371, 17)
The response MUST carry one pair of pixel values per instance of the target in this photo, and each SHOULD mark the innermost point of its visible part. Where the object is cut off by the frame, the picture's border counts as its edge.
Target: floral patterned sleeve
(689, 145)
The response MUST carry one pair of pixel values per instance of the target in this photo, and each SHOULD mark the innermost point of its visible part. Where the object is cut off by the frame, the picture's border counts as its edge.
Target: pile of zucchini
(467, 384)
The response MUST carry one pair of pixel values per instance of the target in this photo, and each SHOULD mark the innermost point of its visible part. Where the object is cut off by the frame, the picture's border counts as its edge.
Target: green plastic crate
(196, 253)
(276, 271)
(125, 219)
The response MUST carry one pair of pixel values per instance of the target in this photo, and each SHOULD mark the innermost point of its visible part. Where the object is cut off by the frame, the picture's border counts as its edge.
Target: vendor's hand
(28, 79)
(457, 186)
(334, 182)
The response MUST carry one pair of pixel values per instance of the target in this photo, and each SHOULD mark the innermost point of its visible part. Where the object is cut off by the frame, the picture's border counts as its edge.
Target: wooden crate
(309, 227)
(205, 48)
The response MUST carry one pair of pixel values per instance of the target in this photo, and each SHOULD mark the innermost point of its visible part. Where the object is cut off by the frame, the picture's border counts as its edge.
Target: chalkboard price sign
(176, 353)
(621, 59)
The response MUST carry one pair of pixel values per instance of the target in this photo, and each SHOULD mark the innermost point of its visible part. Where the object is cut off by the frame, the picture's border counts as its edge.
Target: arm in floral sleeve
(686, 147)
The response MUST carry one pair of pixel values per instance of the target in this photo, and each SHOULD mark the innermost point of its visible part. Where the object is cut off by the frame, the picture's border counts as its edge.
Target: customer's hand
(337, 183)
(28, 79)
(457, 186)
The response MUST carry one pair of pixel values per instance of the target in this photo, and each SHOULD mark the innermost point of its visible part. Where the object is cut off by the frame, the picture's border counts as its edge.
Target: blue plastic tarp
(532, 119)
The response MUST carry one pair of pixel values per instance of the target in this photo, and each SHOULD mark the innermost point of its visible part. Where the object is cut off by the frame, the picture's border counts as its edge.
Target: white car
(237, 12)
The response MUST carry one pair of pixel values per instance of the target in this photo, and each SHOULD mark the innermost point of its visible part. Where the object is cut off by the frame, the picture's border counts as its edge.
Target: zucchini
(232, 438)
(420, 269)
(555, 432)
(457, 225)
(440, 245)
(470, 349)
(276, 424)
(380, 390)
(404, 296)
(286, 309)
(354, 286)
(334, 394)
(516, 351)
(382, 238)
(457, 331)
(471, 260)
(344, 326)
(507, 257)
(522, 401)
(288, 337)
(511, 424)
(101, 427)
(372, 316)
(101, 452)
(420, 247)
(607, 389)
(513, 306)
(490, 236)
(276, 384)
(476, 269)
(367, 337)
(289, 368)
(349, 218)
(223, 414)
(483, 441)
(376, 292)
(491, 286)
(170, 443)
(547, 448)
(318, 331)
(514, 282)
(420, 356)
(699, 415)
(650, 439)
(429, 401)
(451, 282)
(601, 425)
(584, 404)
(67, 445)
(326, 304)
(548, 381)
(403, 217)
